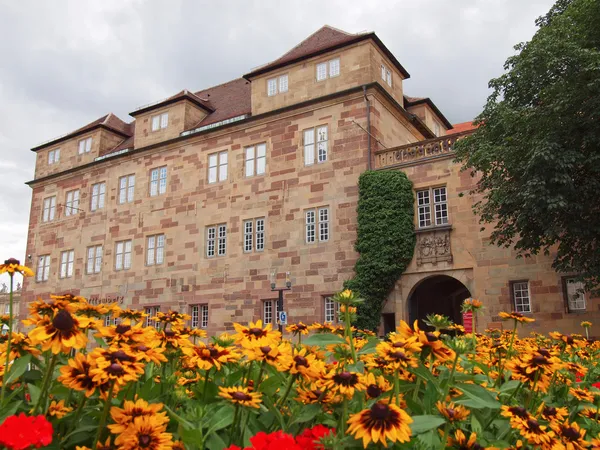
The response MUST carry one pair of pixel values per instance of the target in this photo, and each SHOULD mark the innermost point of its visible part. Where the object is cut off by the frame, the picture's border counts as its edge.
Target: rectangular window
(283, 83)
(332, 310)
(254, 235)
(277, 84)
(575, 294)
(312, 217)
(216, 240)
(222, 240)
(123, 255)
(49, 209)
(272, 87)
(321, 71)
(424, 208)
(66, 263)
(248, 236)
(98, 196)
(155, 251)
(260, 235)
(195, 314)
(203, 316)
(270, 311)
(255, 159)
(53, 156)
(151, 312)
(160, 121)
(85, 146)
(386, 75)
(521, 296)
(43, 268)
(210, 241)
(110, 320)
(334, 69)
(320, 136)
(72, 203)
(440, 206)
(217, 167)
(126, 189)
(94, 259)
(440, 203)
(158, 181)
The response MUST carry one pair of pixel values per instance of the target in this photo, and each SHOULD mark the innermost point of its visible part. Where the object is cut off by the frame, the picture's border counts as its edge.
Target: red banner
(468, 322)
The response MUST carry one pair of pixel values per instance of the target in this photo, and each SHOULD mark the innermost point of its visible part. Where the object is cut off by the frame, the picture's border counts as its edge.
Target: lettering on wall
(97, 299)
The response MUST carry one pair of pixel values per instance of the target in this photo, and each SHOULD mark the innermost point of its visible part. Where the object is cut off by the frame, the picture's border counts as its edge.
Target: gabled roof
(229, 100)
(461, 127)
(325, 39)
(109, 122)
(181, 95)
(414, 101)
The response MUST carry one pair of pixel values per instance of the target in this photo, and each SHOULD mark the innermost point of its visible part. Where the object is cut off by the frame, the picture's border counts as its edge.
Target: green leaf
(18, 368)
(221, 418)
(9, 410)
(369, 347)
(271, 384)
(32, 376)
(476, 425)
(308, 412)
(422, 424)
(34, 392)
(509, 386)
(476, 397)
(100, 341)
(324, 339)
(424, 373)
(215, 442)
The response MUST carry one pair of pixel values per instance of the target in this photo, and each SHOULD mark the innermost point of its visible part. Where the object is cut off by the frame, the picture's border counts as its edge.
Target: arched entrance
(439, 294)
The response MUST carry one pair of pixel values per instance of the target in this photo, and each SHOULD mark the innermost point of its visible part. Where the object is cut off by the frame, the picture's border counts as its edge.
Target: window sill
(434, 228)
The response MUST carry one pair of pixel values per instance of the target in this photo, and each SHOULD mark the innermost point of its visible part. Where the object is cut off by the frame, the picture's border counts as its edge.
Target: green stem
(75, 421)
(104, 414)
(287, 390)
(343, 418)
(205, 388)
(416, 391)
(396, 388)
(45, 383)
(234, 424)
(244, 425)
(447, 387)
(260, 374)
(444, 437)
(349, 332)
(10, 327)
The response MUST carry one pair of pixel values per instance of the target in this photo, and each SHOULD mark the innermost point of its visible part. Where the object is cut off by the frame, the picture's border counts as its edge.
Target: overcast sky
(66, 63)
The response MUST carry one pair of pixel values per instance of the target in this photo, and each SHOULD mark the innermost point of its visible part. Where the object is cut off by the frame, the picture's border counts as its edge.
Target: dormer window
(328, 69)
(160, 121)
(85, 146)
(277, 84)
(386, 75)
(53, 156)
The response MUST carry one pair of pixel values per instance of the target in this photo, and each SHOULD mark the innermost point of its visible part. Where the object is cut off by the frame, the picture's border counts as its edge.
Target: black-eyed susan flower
(376, 385)
(76, 375)
(126, 333)
(124, 417)
(62, 332)
(206, 356)
(145, 433)
(20, 345)
(314, 393)
(173, 318)
(516, 316)
(515, 412)
(58, 409)
(571, 435)
(344, 382)
(12, 266)
(552, 413)
(92, 311)
(452, 412)
(149, 352)
(380, 423)
(305, 364)
(127, 315)
(535, 433)
(582, 394)
(396, 355)
(117, 365)
(255, 331)
(241, 396)
(460, 442)
(321, 327)
(265, 350)
(297, 328)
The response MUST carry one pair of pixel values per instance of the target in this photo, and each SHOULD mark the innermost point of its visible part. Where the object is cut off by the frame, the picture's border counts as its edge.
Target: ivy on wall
(385, 240)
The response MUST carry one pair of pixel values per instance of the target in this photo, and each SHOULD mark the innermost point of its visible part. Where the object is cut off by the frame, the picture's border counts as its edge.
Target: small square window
(85, 146)
(160, 121)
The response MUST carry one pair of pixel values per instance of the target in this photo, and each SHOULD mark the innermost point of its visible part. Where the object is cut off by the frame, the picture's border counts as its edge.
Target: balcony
(415, 153)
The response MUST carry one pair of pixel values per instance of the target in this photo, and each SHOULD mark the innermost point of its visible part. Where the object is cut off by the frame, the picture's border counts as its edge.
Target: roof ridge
(219, 85)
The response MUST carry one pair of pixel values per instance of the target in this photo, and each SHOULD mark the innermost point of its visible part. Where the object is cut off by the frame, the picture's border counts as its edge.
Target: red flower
(233, 447)
(309, 439)
(277, 440)
(596, 384)
(22, 432)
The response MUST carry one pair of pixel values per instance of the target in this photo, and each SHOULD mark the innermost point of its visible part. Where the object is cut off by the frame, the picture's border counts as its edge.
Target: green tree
(537, 148)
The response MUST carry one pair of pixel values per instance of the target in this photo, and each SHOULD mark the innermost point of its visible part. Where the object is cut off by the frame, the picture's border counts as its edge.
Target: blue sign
(282, 317)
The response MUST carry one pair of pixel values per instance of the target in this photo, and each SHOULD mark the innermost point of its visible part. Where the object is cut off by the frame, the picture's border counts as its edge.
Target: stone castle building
(207, 196)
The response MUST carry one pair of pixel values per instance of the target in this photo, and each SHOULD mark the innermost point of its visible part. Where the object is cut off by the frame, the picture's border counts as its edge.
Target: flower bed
(74, 383)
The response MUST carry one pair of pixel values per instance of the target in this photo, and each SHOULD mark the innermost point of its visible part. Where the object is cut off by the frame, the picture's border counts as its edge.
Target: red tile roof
(181, 95)
(229, 100)
(413, 101)
(325, 39)
(460, 127)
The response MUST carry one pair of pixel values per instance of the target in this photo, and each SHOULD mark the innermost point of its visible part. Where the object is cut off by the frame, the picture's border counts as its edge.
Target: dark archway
(439, 294)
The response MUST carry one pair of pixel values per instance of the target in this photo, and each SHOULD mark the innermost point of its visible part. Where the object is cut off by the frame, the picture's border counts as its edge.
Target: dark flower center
(346, 378)
(380, 411)
(397, 345)
(170, 333)
(121, 329)
(214, 353)
(400, 356)
(519, 411)
(569, 339)
(374, 391)
(301, 361)
(318, 393)
(257, 332)
(539, 360)
(431, 337)
(266, 349)
(142, 348)
(570, 433)
(451, 412)
(12, 261)
(120, 355)
(145, 440)
(115, 369)
(534, 425)
(549, 411)
(544, 352)
(241, 396)
(517, 315)
(63, 321)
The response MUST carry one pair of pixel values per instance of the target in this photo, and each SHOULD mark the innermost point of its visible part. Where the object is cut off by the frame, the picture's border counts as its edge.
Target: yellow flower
(124, 417)
(255, 331)
(76, 375)
(61, 333)
(314, 393)
(241, 396)
(380, 423)
(452, 412)
(305, 364)
(516, 316)
(115, 364)
(376, 386)
(145, 433)
(297, 328)
(58, 409)
(13, 265)
(586, 324)
(206, 356)
(344, 382)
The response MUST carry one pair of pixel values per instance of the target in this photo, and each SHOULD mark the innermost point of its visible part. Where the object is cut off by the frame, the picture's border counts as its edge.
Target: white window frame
(155, 250)
(160, 121)
(85, 145)
(123, 254)
(218, 165)
(152, 311)
(331, 310)
(255, 160)
(211, 241)
(43, 268)
(316, 138)
(283, 83)
(271, 87)
(53, 156)
(386, 75)
(267, 312)
(98, 199)
(248, 228)
(432, 201)
(126, 189)
(277, 85)
(49, 209)
(204, 316)
(574, 289)
(521, 296)
(254, 235)
(216, 240)
(158, 181)
(94, 259)
(67, 261)
(72, 202)
(328, 69)
(317, 225)
(108, 318)
(221, 239)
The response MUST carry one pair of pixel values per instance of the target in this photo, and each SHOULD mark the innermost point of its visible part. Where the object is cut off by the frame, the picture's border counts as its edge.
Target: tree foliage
(537, 148)
(385, 240)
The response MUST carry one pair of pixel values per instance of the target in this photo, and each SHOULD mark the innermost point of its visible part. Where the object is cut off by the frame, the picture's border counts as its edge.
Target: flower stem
(75, 421)
(447, 387)
(234, 424)
(287, 390)
(10, 325)
(104, 414)
(260, 374)
(45, 383)
(205, 389)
